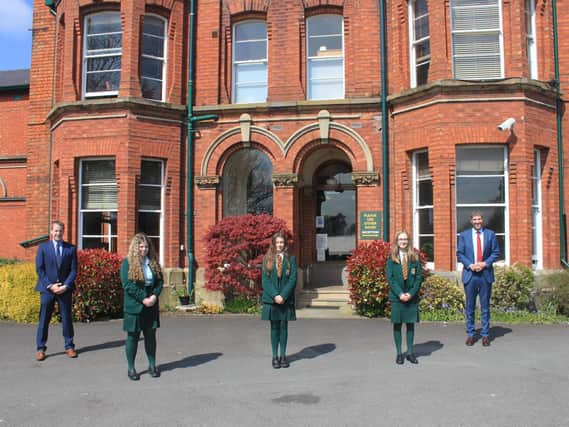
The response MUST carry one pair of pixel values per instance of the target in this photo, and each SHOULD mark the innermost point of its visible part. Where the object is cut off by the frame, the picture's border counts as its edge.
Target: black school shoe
(412, 358)
(400, 359)
(133, 375)
(284, 363)
(276, 363)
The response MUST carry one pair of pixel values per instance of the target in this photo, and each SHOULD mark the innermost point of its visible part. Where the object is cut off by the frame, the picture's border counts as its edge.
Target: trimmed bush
(440, 293)
(18, 299)
(557, 294)
(512, 288)
(369, 290)
(235, 249)
(98, 289)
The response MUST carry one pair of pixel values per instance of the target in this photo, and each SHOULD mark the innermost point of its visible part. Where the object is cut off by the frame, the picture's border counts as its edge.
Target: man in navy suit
(477, 251)
(56, 266)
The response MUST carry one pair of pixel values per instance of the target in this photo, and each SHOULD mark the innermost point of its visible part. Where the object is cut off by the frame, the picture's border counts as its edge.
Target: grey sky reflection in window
(246, 184)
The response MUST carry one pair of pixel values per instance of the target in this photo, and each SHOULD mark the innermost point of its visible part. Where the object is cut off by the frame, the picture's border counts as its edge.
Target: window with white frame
(102, 51)
(325, 56)
(477, 46)
(150, 201)
(531, 45)
(153, 57)
(537, 239)
(423, 226)
(247, 185)
(250, 75)
(419, 37)
(481, 185)
(98, 205)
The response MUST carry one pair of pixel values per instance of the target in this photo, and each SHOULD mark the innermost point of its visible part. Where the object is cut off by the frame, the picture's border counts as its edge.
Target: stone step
(328, 297)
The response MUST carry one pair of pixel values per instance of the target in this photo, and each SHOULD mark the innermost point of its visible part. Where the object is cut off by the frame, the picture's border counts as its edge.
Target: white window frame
(235, 63)
(87, 56)
(537, 220)
(531, 37)
(497, 31)
(163, 59)
(161, 211)
(413, 42)
(505, 204)
(417, 208)
(82, 211)
(312, 59)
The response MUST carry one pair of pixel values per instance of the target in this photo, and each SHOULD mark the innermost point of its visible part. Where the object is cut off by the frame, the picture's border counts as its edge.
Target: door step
(330, 297)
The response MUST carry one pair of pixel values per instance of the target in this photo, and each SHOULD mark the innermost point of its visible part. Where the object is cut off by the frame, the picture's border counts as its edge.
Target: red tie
(478, 247)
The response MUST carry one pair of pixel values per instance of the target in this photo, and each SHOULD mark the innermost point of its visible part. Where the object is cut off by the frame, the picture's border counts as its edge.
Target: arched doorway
(328, 217)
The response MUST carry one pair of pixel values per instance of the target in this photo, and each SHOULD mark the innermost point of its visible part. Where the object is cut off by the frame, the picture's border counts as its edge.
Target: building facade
(295, 88)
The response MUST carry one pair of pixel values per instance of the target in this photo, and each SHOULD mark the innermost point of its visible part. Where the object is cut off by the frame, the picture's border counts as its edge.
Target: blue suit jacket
(466, 254)
(48, 271)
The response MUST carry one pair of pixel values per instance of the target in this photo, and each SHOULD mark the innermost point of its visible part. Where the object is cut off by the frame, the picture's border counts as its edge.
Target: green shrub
(98, 289)
(242, 305)
(9, 261)
(440, 294)
(556, 291)
(512, 288)
(18, 299)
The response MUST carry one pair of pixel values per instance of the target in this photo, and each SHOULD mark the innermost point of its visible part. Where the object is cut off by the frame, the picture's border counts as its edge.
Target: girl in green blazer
(279, 282)
(141, 278)
(404, 276)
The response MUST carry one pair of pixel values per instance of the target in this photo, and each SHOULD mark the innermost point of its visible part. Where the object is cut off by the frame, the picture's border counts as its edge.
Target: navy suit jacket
(48, 270)
(466, 254)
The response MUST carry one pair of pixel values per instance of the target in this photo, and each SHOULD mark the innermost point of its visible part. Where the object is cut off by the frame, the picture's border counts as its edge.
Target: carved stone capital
(365, 178)
(207, 182)
(285, 179)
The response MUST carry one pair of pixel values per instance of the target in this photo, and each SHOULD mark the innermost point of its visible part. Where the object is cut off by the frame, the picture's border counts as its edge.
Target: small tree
(235, 249)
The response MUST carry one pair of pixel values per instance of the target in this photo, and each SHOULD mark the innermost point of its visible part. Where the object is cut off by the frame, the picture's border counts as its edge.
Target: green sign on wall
(370, 225)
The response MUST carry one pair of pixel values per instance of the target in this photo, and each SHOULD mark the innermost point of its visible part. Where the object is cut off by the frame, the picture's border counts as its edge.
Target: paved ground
(216, 372)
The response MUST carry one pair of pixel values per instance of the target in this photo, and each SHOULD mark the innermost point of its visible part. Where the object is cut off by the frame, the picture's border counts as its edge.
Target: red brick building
(295, 87)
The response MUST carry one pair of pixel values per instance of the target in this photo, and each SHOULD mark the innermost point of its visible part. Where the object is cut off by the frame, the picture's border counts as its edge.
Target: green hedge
(18, 299)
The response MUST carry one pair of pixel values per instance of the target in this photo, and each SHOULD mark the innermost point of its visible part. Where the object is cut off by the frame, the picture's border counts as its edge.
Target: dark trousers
(65, 303)
(477, 286)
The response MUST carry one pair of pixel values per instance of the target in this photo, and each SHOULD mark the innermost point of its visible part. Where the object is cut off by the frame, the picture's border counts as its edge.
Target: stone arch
(245, 140)
(322, 134)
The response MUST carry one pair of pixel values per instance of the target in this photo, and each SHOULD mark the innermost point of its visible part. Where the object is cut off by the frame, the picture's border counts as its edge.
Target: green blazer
(135, 292)
(273, 286)
(398, 286)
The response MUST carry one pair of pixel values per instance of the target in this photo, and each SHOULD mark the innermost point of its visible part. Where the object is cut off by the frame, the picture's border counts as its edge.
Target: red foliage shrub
(369, 290)
(235, 249)
(98, 289)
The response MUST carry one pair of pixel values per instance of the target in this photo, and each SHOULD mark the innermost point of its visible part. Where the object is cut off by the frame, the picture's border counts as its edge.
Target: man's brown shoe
(469, 341)
(71, 353)
(40, 355)
(486, 341)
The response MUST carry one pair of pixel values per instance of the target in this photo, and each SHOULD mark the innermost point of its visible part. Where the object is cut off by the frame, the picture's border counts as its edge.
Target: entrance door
(335, 223)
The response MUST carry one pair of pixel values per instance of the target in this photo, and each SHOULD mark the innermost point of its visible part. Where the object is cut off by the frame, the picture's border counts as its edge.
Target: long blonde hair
(412, 254)
(272, 251)
(134, 258)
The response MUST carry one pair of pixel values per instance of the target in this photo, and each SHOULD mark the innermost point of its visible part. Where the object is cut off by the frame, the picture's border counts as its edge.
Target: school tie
(279, 265)
(404, 266)
(58, 253)
(478, 247)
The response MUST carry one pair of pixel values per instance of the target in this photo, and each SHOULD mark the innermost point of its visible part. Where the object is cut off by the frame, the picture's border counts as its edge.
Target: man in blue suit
(477, 251)
(56, 266)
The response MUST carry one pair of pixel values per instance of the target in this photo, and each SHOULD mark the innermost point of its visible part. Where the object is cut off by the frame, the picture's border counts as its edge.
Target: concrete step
(328, 297)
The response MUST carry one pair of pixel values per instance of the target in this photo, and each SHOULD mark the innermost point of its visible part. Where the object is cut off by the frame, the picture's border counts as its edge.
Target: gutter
(384, 122)
(559, 114)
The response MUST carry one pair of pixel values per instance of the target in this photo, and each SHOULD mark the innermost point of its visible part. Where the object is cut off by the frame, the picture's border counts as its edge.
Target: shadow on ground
(312, 352)
(425, 349)
(190, 361)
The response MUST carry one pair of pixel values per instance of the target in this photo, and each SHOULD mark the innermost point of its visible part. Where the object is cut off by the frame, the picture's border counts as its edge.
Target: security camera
(507, 124)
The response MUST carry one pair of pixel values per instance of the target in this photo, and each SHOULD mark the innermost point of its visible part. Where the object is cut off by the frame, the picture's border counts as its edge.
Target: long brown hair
(412, 254)
(272, 251)
(135, 261)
